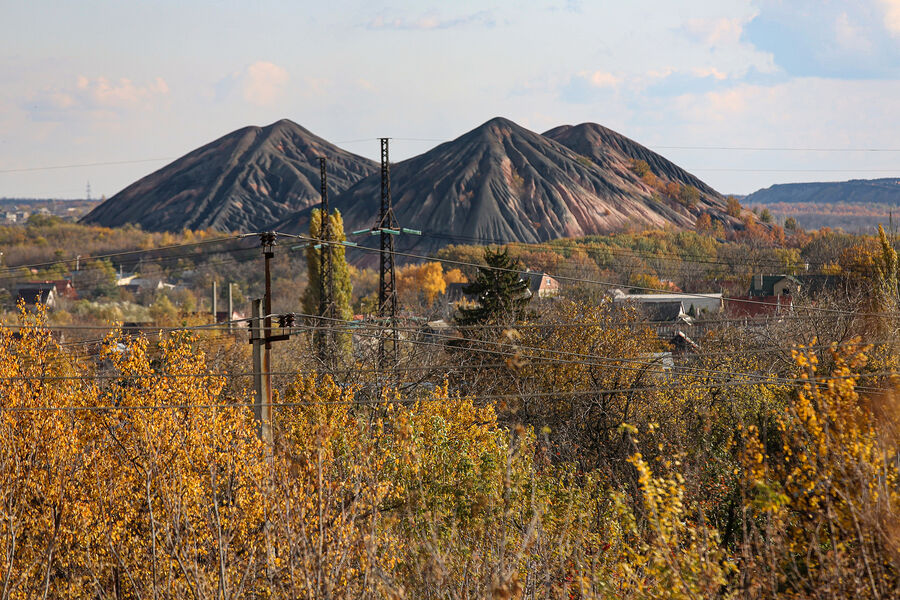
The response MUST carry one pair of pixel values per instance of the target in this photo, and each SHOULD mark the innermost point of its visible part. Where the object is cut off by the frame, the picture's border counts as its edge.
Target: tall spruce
(501, 292)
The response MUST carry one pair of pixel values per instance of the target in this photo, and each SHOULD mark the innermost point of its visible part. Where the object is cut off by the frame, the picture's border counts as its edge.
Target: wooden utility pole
(215, 303)
(261, 337)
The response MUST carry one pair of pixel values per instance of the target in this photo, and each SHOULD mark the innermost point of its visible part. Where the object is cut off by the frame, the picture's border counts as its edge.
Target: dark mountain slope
(502, 182)
(240, 182)
(856, 191)
(608, 149)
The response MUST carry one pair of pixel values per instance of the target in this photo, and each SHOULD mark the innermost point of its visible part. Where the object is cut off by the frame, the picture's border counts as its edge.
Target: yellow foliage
(825, 489)
(426, 281)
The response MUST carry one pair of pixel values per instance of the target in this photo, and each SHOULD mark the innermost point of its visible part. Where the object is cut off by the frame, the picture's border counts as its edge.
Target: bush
(640, 167)
(733, 207)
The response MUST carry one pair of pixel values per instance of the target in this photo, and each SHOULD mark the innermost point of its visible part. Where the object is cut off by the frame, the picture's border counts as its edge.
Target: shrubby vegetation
(539, 450)
(138, 473)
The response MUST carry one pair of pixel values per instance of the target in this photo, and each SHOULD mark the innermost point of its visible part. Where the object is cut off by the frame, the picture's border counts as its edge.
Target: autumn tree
(732, 207)
(343, 290)
(704, 223)
(455, 276)
(688, 195)
(421, 282)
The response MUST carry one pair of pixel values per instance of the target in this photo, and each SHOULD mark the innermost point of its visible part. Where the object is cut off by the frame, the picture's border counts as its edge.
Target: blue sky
(121, 81)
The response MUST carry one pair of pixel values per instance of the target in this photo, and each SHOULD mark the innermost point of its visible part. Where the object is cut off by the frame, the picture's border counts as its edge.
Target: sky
(743, 93)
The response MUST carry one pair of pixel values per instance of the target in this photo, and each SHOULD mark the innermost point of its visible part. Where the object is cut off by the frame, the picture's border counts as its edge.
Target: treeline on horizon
(707, 259)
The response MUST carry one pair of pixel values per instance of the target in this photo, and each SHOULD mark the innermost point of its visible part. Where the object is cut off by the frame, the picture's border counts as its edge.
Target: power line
(614, 250)
(515, 351)
(94, 164)
(797, 170)
(775, 148)
(11, 268)
(601, 283)
(594, 391)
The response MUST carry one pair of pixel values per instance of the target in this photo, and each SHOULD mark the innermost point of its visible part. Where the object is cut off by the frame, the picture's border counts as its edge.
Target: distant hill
(856, 191)
(240, 182)
(502, 182)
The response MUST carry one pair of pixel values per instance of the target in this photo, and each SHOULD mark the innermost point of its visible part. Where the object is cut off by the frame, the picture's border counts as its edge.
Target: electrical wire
(10, 268)
(801, 381)
(586, 281)
(586, 359)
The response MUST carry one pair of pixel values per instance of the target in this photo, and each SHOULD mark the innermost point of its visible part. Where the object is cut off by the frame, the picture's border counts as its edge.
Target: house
(454, 296)
(758, 306)
(541, 285)
(136, 283)
(37, 293)
(773, 285)
(667, 312)
(694, 305)
(454, 293)
(64, 287)
(768, 296)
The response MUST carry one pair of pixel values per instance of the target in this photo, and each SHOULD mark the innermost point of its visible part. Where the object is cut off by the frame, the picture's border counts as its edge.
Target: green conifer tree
(501, 292)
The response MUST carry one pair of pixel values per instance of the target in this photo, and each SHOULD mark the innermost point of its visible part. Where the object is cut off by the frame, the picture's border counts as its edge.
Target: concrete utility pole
(215, 303)
(230, 309)
(262, 410)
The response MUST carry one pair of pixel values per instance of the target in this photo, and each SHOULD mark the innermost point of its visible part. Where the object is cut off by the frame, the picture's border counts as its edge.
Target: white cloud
(98, 97)
(715, 32)
(660, 73)
(891, 15)
(602, 79)
(263, 82)
(850, 35)
(709, 72)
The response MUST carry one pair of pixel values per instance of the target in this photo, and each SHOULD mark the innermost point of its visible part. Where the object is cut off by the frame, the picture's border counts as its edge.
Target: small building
(750, 307)
(694, 305)
(667, 312)
(64, 287)
(142, 283)
(541, 285)
(37, 294)
(774, 285)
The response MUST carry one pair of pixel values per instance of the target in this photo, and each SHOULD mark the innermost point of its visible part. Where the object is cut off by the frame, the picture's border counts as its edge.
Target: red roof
(757, 306)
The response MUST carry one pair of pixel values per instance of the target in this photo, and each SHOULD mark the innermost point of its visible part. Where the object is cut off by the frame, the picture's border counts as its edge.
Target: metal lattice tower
(326, 279)
(387, 290)
(326, 272)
